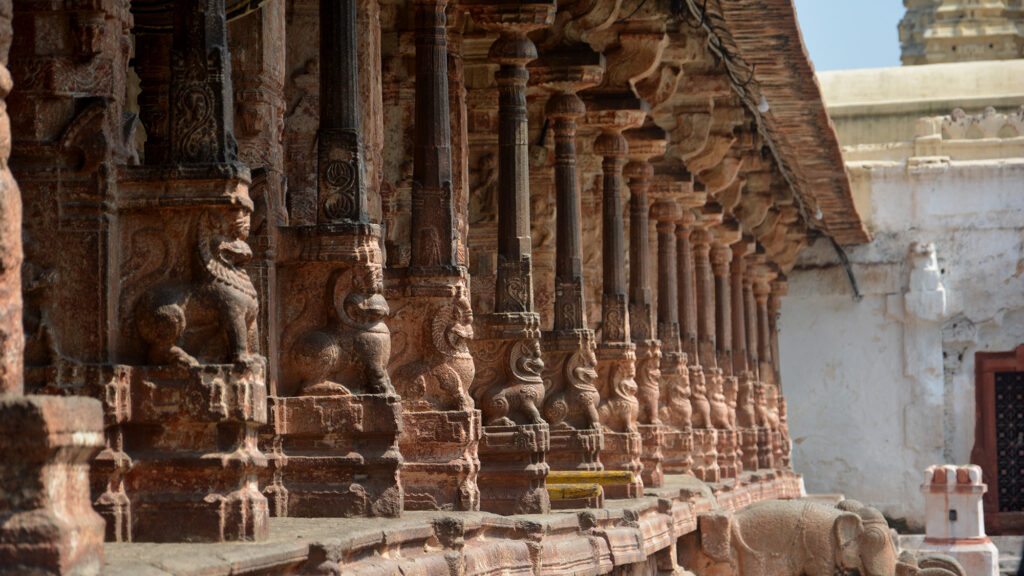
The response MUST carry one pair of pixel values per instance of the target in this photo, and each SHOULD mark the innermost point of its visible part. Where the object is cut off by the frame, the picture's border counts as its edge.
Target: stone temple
(372, 287)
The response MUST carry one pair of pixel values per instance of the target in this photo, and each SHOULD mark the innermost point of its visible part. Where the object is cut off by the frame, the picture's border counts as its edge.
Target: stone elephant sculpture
(791, 538)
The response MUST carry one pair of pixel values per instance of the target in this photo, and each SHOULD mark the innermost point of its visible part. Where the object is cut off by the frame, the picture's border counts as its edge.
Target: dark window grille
(1009, 389)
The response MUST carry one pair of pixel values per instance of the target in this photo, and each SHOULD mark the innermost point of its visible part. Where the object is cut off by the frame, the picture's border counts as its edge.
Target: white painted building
(889, 390)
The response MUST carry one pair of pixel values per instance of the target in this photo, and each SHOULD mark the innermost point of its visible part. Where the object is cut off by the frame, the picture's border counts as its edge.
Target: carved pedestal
(336, 418)
(509, 390)
(648, 380)
(340, 455)
(570, 401)
(677, 448)
(619, 408)
(765, 459)
(431, 324)
(46, 525)
(197, 425)
(705, 455)
(728, 453)
(748, 447)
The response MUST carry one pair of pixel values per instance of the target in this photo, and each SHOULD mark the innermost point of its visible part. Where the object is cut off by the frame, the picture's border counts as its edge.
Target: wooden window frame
(984, 454)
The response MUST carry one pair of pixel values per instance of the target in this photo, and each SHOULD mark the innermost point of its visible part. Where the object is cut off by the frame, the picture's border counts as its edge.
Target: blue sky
(847, 34)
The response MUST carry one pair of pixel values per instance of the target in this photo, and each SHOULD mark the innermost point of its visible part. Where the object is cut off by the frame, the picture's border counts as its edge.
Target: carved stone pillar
(746, 423)
(509, 388)
(66, 139)
(616, 354)
(675, 410)
(571, 399)
(776, 401)
(197, 382)
(761, 290)
(709, 409)
(644, 144)
(721, 257)
(334, 396)
(46, 525)
(432, 318)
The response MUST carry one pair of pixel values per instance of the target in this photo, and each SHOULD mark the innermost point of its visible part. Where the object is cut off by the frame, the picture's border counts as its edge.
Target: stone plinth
(573, 449)
(748, 448)
(340, 454)
(705, 455)
(955, 521)
(729, 461)
(765, 458)
(197, 425)
(47, 526)
(652, 437)
(677, 449)
(622, 452)
(441, 460)
(513, 469)
(509, 390)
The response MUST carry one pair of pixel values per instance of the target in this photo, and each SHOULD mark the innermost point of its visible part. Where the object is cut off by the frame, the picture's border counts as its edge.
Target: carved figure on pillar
(571, 396)
(709, 408)
(729, 455)
(432, 317)
(675, 409)
(761, 289)
(744, 406)
(616, 353)
(188, 309)
(645, 144)
(334, 394)
(509, 388)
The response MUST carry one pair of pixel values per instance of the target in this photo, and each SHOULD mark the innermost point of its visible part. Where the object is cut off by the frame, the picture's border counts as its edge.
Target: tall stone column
(721, 257)
(430, 306)
(776, 401)
(761, 290)
(706, 396)
(746, 423)
(644, 144)
(616, 353)
(509, 388)
(334, 396)
(66, 141)
(190, 204)
(674, 401)
(47, 526)
(570, 404)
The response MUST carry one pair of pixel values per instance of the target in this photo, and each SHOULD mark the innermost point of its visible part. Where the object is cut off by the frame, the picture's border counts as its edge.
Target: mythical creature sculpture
(719, 406)
(677, 410)
(619, 407)
(446, 370)
(354, 347)
(185, 322)
(648, 388)
(791, 538)
(514, 398)
(761, 416)
(699, 400)
(745, 412)
(575, 404)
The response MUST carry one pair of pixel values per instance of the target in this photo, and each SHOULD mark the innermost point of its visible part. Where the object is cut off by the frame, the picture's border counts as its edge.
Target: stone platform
(636, 532)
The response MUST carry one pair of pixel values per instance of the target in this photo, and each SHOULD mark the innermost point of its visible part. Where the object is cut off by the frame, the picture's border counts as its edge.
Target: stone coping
(594, 541)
